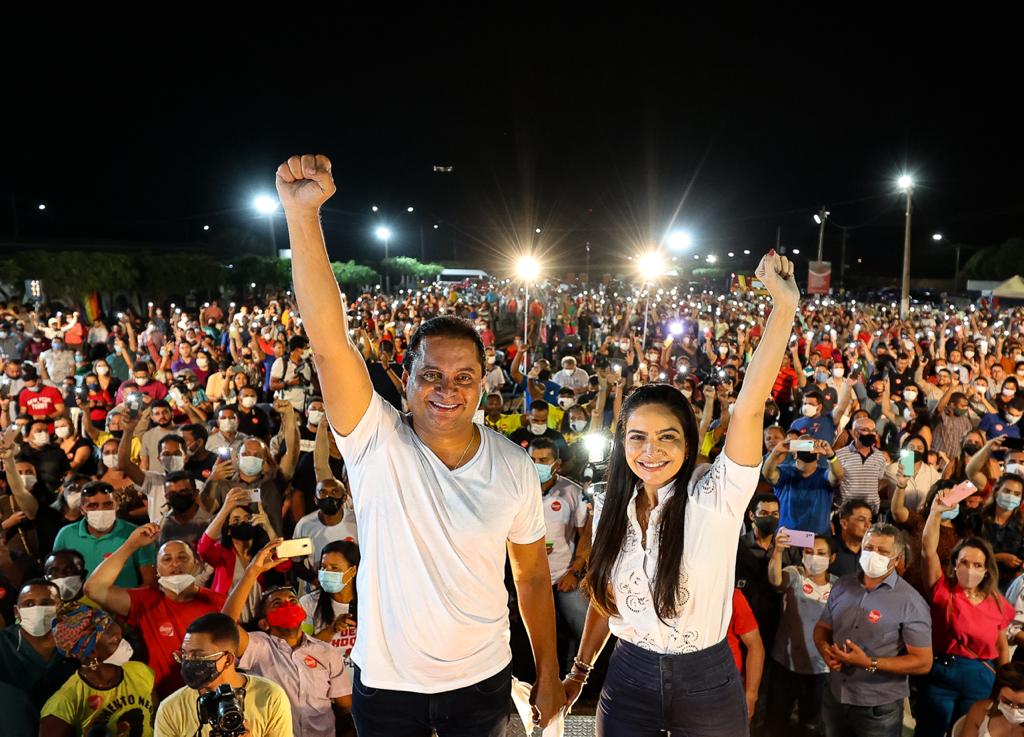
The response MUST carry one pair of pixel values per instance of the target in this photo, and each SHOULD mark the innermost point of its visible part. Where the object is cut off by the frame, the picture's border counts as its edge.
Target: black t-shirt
(383, 385)
(255, 423)
(200, 469)
(523, 436)
(304, 479)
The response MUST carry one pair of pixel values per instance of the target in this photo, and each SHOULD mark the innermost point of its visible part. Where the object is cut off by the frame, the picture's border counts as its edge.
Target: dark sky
(591, 125)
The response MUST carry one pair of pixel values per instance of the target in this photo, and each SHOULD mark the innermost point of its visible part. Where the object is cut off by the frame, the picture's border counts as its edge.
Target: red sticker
(167, 629)
(556, 506)
(825, 596)
(999, 428)
(107, 555)
(808, 589)
(874, 615)
(311, 662)
(95, 702)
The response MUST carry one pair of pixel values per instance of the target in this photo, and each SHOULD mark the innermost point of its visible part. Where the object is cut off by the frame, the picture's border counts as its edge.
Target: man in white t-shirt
(291, 374)
(438, 502)
(333, 520)
(572, 377)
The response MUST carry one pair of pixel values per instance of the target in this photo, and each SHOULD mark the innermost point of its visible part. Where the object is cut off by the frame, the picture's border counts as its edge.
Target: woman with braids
(662, 567)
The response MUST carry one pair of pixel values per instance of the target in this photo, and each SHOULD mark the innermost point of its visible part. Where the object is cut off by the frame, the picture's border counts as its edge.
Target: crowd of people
(158, 463)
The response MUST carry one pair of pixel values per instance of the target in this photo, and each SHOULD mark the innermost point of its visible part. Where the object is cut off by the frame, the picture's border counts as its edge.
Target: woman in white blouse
(662, 566)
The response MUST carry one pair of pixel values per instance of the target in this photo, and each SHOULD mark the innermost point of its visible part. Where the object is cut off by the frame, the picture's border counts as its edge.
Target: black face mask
(766, 525)
(242, 531)
(806, 456)
(117, 433)
(868, 440)
(328, 505)
(873, 394)
(180, 502)
(971, 448)
(198, 673)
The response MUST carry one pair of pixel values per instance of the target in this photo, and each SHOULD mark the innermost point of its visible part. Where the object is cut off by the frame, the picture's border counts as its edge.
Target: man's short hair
(198, 431)
(220, 627)
(140, 366)
(544, 443)
(175, 476)
(445, 326)
(847, 510)
(539, 404)
(297, 342)
(886, 530)
(172, 438)
(160, 404)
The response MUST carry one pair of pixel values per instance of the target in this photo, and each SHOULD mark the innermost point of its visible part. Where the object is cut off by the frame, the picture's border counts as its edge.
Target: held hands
(849, 654)
(304, 183)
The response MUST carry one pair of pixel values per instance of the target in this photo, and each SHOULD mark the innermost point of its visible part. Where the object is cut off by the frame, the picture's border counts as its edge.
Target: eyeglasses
(181, 655)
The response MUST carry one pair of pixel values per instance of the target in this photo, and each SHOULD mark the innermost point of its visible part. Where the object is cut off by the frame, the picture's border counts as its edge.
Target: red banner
(819, 277)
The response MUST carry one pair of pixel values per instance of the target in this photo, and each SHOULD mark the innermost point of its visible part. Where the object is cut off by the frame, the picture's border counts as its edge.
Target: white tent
(1012, 288)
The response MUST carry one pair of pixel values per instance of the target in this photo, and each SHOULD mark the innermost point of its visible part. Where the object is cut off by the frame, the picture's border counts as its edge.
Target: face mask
(538, 428)
(250, 465)
(40, 438)
(141, 382)
(910, 396)
(172, 463)
(69, 586)
(286, 617)
(35, 388)
(971, 448)
(874, 564)
(62, 432)
(315, 416)
(101, 519)
(198, 673)
(968, 354)
(723, 351)
(1015, 468)
(248, 402)
(908, 415)
(121, 655)
(838, 371)
(102, 371)
(766, 525)
(821, 377)
(959, 411)
(29, 481)
(1013, 419)
(624, 346)
(951, 514)
(202, 363)
(566, 402)
(177, 583)
(809, 410)
(969, 578)
(328, 505)
(73, 499)
(815, 564)
(490, 360)
(1007, 501)
(242, 531)
(110, 460)
(981, 388)
(57, 346)
(1012, 714)
(227, 425)
(807, 456)
(578, 425)
(543, 471)
(37, 620)
(180, 502)
(1009, 392)
(331, 581)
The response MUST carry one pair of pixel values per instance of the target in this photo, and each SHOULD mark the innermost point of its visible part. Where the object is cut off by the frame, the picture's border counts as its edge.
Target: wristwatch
(873, 667)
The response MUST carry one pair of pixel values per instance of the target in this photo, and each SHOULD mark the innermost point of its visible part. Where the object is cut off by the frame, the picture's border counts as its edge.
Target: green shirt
(95, 549)
(23, 668)
(118, 368)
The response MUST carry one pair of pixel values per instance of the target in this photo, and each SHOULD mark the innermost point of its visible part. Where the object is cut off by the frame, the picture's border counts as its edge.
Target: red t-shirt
(163, 624)
(958, 626)
(41, 403)
(742, 622)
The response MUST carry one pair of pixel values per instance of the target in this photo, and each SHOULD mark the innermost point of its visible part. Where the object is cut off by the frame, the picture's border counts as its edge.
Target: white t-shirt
(310, 526)
(433, 609)
(564, 512)
(576, 379)
(344, 639)
(714, 516)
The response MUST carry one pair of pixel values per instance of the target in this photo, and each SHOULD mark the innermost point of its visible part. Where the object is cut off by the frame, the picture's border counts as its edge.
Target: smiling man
(438, 500)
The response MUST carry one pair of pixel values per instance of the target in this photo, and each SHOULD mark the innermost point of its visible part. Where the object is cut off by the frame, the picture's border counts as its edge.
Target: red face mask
(286, 617)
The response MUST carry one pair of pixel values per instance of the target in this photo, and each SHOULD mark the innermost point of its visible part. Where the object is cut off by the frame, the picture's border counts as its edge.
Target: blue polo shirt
(883, 622)
(820, 428)
(96, 549)
(805, 502)
(994, 425)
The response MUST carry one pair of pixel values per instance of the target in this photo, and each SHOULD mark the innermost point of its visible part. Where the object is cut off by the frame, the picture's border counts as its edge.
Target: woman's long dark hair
(612, 529)
(324, 608)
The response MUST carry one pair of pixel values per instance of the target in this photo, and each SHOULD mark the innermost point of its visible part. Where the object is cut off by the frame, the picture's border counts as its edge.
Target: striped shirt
(948, 433)
(861, 475)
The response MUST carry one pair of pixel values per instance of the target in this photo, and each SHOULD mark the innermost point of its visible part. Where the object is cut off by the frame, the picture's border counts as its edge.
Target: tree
(997, 262)
(353, 274)
(72, 275)
(410, 267)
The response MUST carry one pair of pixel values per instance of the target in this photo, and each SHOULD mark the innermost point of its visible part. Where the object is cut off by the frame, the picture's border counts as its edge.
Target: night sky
(592, 127)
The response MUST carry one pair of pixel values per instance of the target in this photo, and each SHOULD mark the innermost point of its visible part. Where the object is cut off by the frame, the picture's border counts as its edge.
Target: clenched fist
(304, 183)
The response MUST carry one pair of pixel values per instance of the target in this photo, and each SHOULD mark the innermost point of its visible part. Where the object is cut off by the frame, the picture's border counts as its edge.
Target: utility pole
(820, 218)
(905, 281)
(842, 262)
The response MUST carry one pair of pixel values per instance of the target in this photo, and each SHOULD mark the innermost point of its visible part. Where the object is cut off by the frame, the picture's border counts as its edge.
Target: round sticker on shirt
(95, 702)
(167, 629)
(310, 661)
(808, 589)
(874, 615)
(999, 428)
(556, 506)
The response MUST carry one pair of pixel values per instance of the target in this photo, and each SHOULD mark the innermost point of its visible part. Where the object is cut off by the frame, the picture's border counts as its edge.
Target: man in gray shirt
(874, 632)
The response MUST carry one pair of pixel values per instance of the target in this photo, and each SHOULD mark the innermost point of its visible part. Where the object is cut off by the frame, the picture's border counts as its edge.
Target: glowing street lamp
(906, 185)
(384, 233)
(651, 265)
(679, 240)
(267, 205)
(527, 269)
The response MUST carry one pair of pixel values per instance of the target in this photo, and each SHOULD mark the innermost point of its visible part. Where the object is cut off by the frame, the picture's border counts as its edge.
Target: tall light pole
(820, 217)
(527, 269)
(267, 205)
(384, 233)
(906, 184)
(651, 266)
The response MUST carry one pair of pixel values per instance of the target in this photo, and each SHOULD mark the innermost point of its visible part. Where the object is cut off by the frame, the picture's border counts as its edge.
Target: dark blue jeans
(843, 720)
(945, 694)
(786, 688)
(693, 694)
(480, 710)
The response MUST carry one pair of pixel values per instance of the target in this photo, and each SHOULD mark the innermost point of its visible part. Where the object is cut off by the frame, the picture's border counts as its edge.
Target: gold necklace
(465, 450)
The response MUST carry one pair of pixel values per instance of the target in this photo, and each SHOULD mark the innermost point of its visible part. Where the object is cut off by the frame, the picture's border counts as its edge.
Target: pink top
(962, 628)
(223, 561)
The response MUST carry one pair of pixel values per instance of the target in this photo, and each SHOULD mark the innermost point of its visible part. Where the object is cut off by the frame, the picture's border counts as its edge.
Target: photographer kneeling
(208, 657)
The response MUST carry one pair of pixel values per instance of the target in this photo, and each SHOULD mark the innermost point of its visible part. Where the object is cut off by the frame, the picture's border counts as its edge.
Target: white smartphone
(801, 445)
(297, 548)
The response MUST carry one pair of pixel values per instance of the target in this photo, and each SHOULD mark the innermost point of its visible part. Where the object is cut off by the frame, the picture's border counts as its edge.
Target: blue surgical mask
(1008, 502)
(330, 581)
(951, 514)
(544, 471)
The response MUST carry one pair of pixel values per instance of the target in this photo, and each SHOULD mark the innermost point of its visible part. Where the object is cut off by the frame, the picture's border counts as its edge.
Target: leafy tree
(351, 273)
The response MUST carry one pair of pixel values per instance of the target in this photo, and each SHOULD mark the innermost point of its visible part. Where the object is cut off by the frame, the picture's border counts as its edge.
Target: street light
(527, 269)
(42, 206)
(820, 217)
(906, 184)
(651, 265)
(267, 205)
(936, 236)
(374, 208)
(384, 233)
(679, 240)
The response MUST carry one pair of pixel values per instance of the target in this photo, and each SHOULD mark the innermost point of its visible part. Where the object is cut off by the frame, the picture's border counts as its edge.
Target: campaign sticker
(874, 615)
(808, 589)
(556, 506)
(167, 629)
(311, 661)
(95, 702)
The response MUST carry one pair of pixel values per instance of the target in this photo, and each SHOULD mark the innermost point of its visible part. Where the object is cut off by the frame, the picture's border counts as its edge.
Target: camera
(223, 710)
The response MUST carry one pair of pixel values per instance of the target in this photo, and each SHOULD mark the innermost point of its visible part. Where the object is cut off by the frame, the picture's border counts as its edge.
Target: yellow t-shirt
(266, 710)
(555, 415)
(126, 709)
(104, 436)
(506, 424)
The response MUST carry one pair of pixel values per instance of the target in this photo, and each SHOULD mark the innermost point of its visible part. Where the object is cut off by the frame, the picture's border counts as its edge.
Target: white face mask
(178, 582)
(538, 428)
(40, 438)
(566, 402)
(28, 480)
(110, 460)
(1013, 419)
(37, 620)
(69, 586)
(838, 371)
(1012, 714)
(62, 432)
(248, 402)
(121, 655)
(101, 519)
(578, 425)
(250, 465)
(102, 371)
(1015, 468)
(227, 425)
(910, 396)
(874, 564)
(202, 363)
(315, 416)
(172, 463)
(73, 499)
(809, 410)
(815, 564)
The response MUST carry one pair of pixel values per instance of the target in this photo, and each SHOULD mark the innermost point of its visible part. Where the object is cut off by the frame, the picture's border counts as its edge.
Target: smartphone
(297, 548)
(134, 405)
(798, 446)
(907, 461)
(255, 496)
(224, 453)
(800, 538)
(952, 497)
